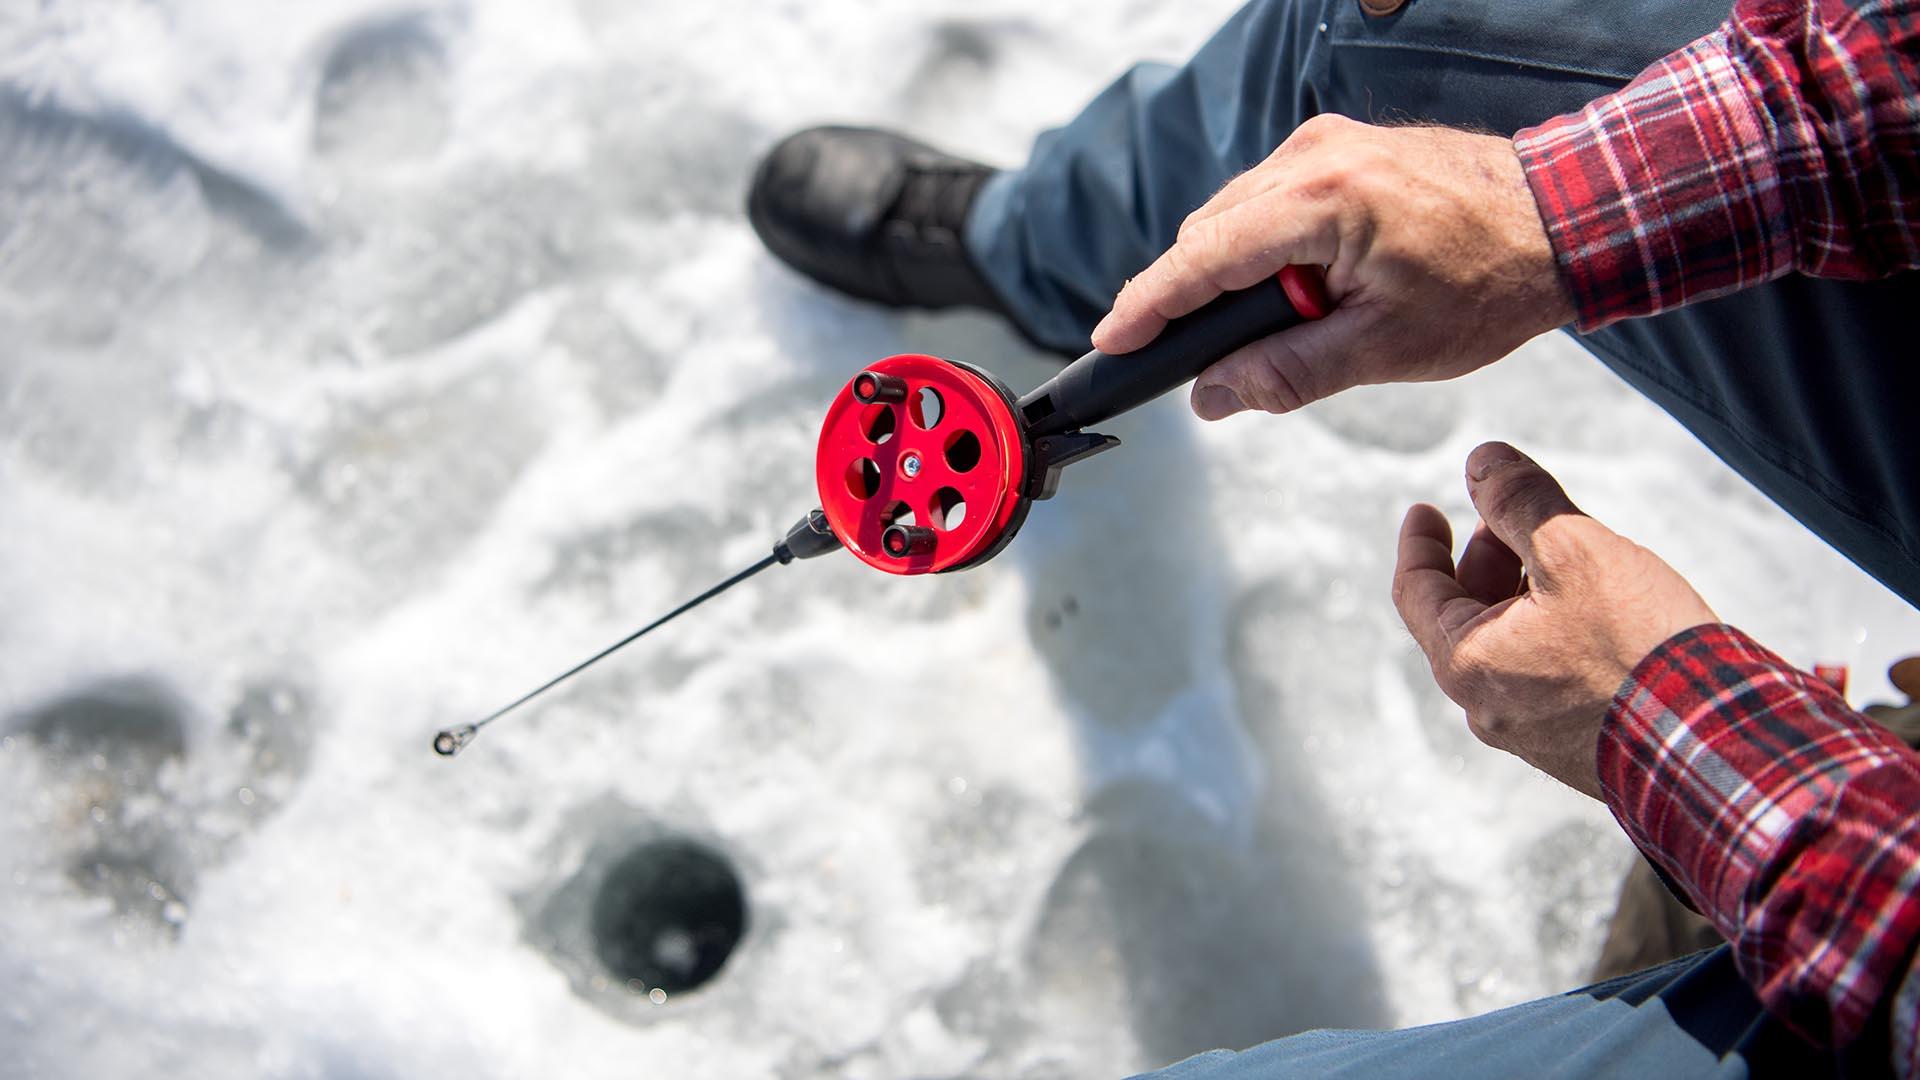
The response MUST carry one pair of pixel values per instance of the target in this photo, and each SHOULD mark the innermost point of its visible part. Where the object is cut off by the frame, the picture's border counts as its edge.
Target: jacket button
(1381, 8)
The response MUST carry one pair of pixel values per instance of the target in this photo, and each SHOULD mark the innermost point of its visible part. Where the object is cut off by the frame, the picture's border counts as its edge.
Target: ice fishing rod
(928, 466)
(808, 538)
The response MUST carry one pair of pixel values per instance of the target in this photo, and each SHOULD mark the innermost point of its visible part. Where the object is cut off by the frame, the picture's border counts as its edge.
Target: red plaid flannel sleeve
(1787, 140)
(1792, 821)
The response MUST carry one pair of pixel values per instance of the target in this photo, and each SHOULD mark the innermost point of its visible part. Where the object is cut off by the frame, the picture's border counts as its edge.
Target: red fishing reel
(927, 465)
(923, 465)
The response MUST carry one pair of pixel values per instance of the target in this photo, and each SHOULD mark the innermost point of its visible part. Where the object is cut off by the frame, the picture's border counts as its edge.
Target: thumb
(1514, 496)
(1278, 374)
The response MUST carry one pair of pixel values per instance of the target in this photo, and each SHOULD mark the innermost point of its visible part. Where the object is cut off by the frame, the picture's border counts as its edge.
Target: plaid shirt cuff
(1787, 817)
(1664, 192)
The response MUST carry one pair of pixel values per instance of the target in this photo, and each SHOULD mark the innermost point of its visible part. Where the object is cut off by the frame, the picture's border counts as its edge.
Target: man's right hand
(1436, 259)
(1543, 617)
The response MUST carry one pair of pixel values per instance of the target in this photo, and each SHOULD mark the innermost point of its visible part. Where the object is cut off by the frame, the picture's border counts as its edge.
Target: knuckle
(1207, 244)
(1283, 381)
(1146, 290)
(1160, 290)
(1514, 494)
(1555, 547)
(1474, 726)
(1344, 175)
(1461, 693)
(1325, 180)
(1489, 726)
(1564, 549)
(1309, 137)
(1322, 124)
(1404, 599)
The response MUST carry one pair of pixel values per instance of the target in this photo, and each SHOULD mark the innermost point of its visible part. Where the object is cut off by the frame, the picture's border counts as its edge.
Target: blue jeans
(1693, 1017)
(1799, 385)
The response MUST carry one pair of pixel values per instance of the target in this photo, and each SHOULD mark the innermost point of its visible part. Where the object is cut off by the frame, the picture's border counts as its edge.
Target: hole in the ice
(124, 719)
(952, 507)
(668, 915)
(926, 408)
(879, 422)
(963, 452)
(898, 514)
(863, 478)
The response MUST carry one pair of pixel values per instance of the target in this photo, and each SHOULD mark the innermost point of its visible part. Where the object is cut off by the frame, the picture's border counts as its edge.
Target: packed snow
(362, 365)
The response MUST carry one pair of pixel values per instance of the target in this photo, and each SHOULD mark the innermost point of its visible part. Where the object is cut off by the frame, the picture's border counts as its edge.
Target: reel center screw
(910, 465)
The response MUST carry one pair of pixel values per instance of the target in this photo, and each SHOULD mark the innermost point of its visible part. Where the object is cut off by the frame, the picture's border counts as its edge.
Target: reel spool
(922, 465)
(927, 465)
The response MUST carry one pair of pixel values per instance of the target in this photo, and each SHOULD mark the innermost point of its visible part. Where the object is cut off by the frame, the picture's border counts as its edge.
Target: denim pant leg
(1804, 387)
(1691, 1019)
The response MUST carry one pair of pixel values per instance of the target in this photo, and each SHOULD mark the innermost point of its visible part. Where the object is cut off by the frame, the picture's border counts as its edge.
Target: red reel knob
(872, 386)
(933, 458)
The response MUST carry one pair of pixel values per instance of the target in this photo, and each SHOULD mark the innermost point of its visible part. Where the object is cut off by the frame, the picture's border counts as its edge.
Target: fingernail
(1488, 457)
(1216, 402)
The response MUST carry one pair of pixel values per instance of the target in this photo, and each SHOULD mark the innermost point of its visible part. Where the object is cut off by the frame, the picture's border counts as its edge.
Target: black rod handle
(1098, 386)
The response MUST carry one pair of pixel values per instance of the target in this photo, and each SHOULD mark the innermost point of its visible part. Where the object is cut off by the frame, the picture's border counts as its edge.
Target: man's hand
(1535, 664)
(1435, 253)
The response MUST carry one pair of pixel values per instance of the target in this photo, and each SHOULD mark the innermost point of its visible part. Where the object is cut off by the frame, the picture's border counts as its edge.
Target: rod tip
(449, 742)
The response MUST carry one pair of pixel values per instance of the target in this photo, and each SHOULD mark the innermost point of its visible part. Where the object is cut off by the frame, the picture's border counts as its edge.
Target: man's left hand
(1543, 618)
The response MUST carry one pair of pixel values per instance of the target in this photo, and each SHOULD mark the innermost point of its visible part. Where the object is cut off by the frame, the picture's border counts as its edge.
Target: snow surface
(361, 365)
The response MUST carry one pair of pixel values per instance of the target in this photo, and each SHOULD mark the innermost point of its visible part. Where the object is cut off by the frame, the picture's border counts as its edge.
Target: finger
(1287, 370)
(1515, 496)
(1247, 185)
(1233, 250)
(1208, 262)
(1425, 591)
(1264, 176)
(1489, 570)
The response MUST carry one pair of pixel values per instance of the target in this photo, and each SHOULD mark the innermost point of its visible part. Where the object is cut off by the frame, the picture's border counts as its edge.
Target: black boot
(874, 215)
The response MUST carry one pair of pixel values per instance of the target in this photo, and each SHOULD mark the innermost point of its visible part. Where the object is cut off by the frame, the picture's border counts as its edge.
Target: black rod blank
(451, 741)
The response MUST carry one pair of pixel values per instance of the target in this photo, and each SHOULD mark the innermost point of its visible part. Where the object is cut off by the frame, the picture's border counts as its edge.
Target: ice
(383, 95)
(363, 365)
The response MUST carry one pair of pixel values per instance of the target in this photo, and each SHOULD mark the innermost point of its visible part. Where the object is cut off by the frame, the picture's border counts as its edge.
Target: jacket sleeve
(1787, 140)
(1792, 821)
